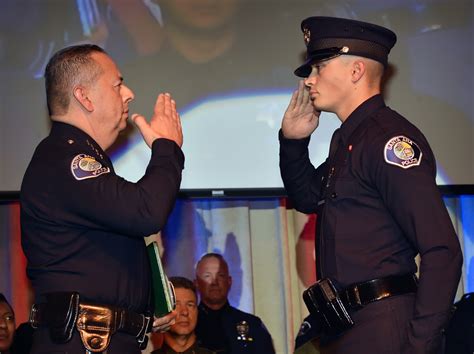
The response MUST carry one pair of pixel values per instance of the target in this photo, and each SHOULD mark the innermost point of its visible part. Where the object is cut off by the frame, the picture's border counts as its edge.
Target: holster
(324, 303)
(96, 324)
(60, 311)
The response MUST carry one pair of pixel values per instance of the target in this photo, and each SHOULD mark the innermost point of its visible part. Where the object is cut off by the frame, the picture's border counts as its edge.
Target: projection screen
(229, 65)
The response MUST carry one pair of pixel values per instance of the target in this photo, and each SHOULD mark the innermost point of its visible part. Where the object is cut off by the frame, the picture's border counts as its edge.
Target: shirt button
(334, 195)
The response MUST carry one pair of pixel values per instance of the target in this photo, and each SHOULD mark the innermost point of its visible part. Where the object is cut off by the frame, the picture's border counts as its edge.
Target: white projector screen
(229, 65)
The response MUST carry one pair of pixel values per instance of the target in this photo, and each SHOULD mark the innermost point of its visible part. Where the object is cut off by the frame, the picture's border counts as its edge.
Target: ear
(358, 70)
(81, 95)
(230, 282)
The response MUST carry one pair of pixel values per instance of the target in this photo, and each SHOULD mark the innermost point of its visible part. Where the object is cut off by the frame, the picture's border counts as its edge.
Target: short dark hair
(4, 299)
(65, 69)
(183, 283)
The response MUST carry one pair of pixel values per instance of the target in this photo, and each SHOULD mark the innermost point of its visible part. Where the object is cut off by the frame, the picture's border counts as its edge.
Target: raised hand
(165, 122)
(300, 119)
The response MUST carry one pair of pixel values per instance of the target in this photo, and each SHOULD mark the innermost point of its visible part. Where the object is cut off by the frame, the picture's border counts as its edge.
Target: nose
(127, 93)
(183, 310)
(310, 81)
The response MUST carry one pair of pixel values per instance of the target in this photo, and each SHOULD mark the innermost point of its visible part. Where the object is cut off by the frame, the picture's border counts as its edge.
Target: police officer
(82, 225)
(377, 202)
(222, 327)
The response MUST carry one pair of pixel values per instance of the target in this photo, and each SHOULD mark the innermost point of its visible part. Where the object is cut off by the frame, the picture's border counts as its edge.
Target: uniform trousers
(380, 328)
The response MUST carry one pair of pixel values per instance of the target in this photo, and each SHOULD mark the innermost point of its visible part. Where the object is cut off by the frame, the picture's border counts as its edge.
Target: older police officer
(377, 202)
(82, 225)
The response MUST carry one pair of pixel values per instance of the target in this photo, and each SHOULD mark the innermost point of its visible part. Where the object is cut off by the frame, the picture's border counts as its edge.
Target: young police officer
(377, 202)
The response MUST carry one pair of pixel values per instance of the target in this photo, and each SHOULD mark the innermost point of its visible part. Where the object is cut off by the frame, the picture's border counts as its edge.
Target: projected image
(229, 66)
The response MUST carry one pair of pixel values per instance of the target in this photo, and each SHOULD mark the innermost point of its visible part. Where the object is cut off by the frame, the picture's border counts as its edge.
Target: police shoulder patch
(84, 166)
(402, 152)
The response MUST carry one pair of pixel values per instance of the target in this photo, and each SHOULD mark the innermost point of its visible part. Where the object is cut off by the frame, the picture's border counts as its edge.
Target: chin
(123, 124)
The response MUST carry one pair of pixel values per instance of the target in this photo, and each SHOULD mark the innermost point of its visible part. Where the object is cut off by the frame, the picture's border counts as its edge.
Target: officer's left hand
(162, 324)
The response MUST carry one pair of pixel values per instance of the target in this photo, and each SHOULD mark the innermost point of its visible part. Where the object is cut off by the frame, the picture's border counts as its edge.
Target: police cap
(328, 37)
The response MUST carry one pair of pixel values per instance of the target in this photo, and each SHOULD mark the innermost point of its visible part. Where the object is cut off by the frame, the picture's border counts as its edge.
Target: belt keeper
(358, 301)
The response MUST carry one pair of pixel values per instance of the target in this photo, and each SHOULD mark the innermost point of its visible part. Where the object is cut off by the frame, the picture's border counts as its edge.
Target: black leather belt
(62, 312)
(358, 295)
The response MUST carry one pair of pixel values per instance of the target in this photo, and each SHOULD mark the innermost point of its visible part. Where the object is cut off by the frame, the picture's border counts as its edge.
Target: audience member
(7, 325)
(181, 338)
(222, 327)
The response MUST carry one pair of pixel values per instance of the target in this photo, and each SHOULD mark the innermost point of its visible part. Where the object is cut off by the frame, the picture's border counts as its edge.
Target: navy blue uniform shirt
(83, 226)
(217, 330)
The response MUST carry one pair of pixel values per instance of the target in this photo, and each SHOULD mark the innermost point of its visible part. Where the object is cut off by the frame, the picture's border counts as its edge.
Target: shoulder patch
(84, 166)
(402, 152)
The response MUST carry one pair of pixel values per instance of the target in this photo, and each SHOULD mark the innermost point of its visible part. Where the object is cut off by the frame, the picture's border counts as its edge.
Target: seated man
(221, 327)
(7, 325)
(181, 337)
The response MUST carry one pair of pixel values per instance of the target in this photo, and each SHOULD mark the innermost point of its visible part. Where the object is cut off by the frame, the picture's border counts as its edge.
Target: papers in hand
(164, 299)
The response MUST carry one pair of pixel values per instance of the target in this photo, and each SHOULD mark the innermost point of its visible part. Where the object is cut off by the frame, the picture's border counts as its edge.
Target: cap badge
(402, 152)
(344, 49)
(306, 35)
(84, 166)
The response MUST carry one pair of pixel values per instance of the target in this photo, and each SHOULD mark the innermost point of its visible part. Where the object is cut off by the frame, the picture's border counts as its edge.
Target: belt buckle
(33, 320)
(142, 338)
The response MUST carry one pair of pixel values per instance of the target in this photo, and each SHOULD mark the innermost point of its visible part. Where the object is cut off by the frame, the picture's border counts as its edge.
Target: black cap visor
(317, 56)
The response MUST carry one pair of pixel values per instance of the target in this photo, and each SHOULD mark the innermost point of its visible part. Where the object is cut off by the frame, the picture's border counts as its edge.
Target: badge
(306, 35)
(402, 152)
(242, 328)
(84, 166)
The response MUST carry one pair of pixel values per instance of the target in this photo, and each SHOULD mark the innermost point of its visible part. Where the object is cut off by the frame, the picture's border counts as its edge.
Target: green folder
(164, 299)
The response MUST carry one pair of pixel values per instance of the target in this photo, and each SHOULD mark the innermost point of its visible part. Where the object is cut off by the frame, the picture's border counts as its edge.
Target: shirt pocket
(345, 190)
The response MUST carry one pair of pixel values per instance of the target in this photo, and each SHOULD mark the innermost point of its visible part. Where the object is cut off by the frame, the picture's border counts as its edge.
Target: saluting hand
(300, 119)
(165, 122)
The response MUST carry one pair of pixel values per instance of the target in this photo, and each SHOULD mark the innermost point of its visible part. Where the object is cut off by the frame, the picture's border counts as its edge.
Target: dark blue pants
(380, 328)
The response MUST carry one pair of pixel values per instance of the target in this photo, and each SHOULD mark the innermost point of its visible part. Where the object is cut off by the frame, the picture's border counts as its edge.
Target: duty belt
(358, 295)
(96, 323)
